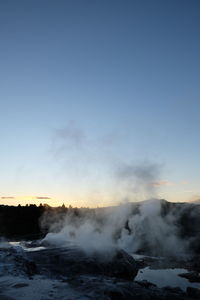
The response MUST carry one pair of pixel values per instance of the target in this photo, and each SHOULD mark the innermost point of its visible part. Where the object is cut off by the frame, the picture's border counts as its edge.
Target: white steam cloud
(140, 228)
(130, 226)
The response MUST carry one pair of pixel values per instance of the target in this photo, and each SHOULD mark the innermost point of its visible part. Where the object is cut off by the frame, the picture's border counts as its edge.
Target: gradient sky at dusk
(89, 86)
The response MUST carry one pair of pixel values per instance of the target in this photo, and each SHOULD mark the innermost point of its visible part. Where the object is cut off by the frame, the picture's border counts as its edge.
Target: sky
(91, 90)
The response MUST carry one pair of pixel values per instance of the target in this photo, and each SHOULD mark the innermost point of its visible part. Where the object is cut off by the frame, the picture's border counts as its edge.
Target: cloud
(71, 135)
(184, 182)
(41, 197)
(145, 172)
(135, 180)
(163, 182)
(94, 161)
(169, 183)
(68, 143)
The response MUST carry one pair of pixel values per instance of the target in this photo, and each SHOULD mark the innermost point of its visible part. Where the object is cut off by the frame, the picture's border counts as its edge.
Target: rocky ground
(68, 273)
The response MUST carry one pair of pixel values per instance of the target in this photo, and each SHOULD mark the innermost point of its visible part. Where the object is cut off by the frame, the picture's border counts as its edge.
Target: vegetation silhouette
(23, 222)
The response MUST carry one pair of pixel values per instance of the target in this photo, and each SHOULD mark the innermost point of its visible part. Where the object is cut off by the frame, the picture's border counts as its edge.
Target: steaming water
(26, 246)
(166, 277)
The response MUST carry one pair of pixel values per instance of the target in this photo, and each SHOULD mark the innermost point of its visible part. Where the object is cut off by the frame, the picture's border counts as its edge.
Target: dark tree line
(24, 222)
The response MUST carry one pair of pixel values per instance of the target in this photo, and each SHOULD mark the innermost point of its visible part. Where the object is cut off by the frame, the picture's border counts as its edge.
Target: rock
(193, 292)
(73, 261)
(103, 288)
(82, 276)
(146, 284)
(191, 276)
(16, 263)
(122, 265)
(173, 289)
(20, 285)
(3, 297)
(30, 268)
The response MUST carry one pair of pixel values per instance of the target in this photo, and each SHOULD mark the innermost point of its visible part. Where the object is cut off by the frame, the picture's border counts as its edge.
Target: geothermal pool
(166, 277)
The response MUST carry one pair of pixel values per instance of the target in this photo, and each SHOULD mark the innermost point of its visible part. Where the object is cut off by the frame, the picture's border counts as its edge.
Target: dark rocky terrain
(71, 274)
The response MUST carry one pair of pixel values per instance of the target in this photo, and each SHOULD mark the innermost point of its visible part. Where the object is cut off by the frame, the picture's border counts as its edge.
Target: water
(26, 246)
(166, 277)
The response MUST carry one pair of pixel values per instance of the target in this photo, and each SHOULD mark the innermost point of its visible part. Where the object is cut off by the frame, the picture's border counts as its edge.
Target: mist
(135, 227)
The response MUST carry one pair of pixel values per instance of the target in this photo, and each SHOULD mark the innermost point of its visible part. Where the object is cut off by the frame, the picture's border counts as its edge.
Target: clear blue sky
(88, 85)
